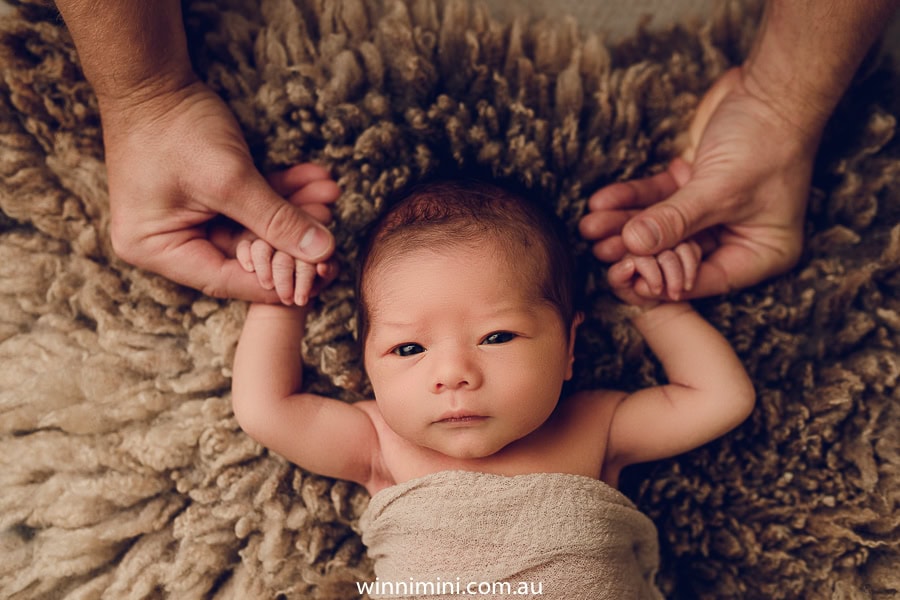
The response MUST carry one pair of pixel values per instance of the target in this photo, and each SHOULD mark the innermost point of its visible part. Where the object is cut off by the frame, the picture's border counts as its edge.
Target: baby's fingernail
(647, 233)
(301, 299)
(314, 242)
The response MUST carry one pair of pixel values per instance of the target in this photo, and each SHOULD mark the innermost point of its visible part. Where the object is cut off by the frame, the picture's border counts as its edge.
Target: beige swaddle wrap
(574, 536)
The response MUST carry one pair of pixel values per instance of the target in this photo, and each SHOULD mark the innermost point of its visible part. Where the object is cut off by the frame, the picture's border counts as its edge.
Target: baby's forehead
(522, 263)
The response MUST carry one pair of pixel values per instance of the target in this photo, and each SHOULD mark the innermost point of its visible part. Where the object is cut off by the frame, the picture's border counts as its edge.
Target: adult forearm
(806, 53)
(129, 49)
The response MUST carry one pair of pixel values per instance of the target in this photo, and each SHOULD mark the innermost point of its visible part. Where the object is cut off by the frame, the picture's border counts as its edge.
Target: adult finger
(669, 222)
(319, 212)
(610, 250)
(196, 263)
(283, 225)
(318, 192)
(728, 268)
(637, 193)
(288, 181)
(600, 224)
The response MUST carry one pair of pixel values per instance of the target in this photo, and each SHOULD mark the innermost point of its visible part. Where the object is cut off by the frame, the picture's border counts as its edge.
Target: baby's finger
(673, 273)
(326, 272)
(261, 254)
(304, 278)
(689, 254)
(242, 253)
(283, 275)
(619, 274)
(648, 269)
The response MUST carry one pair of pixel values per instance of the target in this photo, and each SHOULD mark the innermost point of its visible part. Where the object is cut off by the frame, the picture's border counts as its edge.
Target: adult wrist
(806, 53)
(157, 95)
(130, 51)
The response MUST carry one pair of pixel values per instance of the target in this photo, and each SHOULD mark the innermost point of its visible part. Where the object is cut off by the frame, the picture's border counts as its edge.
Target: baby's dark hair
(454, 213)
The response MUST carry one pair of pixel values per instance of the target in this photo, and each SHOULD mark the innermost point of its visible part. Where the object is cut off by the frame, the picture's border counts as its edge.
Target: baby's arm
(708, 393)
(320, 434)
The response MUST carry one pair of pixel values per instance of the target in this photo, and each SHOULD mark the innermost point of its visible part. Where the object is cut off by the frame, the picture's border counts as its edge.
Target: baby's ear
(576, 321)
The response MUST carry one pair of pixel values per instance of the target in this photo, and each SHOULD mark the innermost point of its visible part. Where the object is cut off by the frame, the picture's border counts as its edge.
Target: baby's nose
(456, 370)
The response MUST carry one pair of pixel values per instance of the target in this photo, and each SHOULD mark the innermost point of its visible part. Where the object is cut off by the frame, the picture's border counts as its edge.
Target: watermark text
(457, 587)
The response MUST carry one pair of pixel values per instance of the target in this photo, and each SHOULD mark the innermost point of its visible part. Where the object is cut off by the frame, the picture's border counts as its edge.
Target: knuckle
(282, 262)
(668, 257)
(124, 245)
(214, 289)
(286, 222)
(672, 220)
(260, 247)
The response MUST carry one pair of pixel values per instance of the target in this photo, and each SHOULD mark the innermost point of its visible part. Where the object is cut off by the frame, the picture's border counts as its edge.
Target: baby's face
(463, 358)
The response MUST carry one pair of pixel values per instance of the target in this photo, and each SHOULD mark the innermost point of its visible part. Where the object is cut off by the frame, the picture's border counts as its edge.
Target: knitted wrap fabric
(124, 473)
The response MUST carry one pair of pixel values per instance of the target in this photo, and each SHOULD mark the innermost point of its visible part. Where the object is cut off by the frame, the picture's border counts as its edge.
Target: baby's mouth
(460, 418)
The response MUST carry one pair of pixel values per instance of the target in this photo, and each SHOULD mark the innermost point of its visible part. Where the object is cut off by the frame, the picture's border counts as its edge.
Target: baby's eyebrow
(397, 324)
(502, 311)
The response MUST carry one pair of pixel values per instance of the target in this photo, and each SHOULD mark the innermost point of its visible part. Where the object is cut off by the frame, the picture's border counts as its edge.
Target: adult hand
(176, 161)
(743, 180)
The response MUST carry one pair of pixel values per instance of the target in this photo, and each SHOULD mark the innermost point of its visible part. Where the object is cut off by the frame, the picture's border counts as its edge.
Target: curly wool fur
(124, 474)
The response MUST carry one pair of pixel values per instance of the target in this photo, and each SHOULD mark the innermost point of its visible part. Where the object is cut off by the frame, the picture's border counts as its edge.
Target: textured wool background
(124, 474)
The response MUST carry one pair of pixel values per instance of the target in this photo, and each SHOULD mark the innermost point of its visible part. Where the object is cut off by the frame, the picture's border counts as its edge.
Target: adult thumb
(663, 225)
(280, 223)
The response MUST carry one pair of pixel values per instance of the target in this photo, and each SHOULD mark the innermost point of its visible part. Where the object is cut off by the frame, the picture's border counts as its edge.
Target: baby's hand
(645, 281)
(295, 281)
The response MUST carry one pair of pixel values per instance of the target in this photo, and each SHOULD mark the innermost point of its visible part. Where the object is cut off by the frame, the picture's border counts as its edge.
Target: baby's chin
(467, 449)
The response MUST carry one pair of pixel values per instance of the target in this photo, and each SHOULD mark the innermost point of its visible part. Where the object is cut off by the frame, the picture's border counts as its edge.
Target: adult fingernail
(647, 233)
(314, 242)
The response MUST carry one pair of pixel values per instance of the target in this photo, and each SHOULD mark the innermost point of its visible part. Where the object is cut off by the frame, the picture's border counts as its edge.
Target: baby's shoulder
(592, 404)
(370, 407)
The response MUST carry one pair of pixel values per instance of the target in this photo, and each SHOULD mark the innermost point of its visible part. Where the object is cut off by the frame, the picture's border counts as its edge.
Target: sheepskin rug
(124, 474)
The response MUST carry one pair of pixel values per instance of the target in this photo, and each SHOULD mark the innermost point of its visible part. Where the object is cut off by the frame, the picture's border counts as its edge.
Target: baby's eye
(408, 349)
(499, 337)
